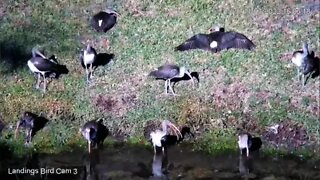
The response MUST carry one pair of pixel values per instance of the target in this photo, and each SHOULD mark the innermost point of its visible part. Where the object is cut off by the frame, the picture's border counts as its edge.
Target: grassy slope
(237, 87)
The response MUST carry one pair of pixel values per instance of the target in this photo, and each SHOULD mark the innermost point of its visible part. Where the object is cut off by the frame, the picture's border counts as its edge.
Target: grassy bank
(238, 89)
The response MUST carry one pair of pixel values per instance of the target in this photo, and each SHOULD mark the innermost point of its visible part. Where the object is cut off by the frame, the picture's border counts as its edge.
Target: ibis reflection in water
(94, 132)
(168, 72)
(159, 165)
(245, 165)
(158, 137)
(32, 123)
(41, 65)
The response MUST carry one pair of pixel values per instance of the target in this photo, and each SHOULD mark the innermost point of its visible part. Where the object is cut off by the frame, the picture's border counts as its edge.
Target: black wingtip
(180, 48)
(252, 47)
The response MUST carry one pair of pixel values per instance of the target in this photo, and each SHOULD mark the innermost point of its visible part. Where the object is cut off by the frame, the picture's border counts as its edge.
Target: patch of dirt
(117, 105)
(286, 57)
(123, 96)
(288, 16)
(231, 97)
(136, 8)
(121, 128)
(289, 134)
(251, 125)
(175, 12)
(305, 99)
(56, 107)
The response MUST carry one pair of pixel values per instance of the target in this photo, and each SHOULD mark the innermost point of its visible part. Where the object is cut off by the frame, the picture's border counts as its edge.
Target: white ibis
(306, 63)
(244, 142)
(94, 132)
(245, 165)
(104, 20)
(87, 58)
(168, 72)
(157, 135)
(216, 41)
(41, 65)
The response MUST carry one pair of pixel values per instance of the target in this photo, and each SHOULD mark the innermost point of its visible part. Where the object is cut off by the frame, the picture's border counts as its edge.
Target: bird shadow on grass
(102, 134)
(316, 71)
(13, 56)
(40, 123)
(317, 68)
(102, 59)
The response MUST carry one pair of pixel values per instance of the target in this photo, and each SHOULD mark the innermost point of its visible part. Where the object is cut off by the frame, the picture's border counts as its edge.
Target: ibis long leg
(298, 73)
(38, 81)
(166, 86)
(29, 135)
(44, 83)
(247, 152)
(87, 72)
(91, 71)
(170, 87)
(89, 146)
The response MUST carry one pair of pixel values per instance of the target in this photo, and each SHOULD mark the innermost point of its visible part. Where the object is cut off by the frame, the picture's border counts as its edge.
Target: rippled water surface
(130, 162)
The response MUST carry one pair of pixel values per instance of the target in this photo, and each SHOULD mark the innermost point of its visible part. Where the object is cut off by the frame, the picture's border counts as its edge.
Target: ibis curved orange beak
(175, 130)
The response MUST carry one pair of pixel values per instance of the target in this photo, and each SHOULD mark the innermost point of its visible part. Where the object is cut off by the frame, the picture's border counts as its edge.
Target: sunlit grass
(144, 39)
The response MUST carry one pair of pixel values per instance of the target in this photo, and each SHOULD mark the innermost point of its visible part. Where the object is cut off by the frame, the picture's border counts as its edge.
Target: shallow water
(132, 162)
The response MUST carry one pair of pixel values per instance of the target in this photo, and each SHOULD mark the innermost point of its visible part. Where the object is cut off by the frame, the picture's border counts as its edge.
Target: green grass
(142, 40)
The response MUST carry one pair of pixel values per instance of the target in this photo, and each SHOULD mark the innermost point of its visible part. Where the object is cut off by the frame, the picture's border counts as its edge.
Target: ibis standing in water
(103, 21)
(216, 41)
(94, 132)
(168, 72)
(158, 135)
(41, 65)
(87, 58)
(244, 142)
(306, 63)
